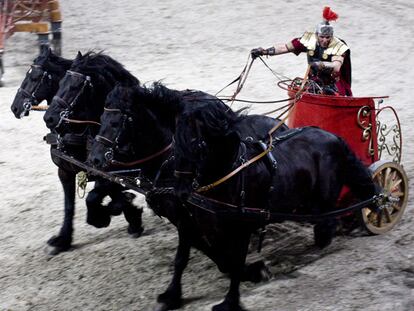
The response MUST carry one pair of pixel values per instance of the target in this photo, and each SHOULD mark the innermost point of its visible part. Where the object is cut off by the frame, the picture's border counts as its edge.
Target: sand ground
(200, 45)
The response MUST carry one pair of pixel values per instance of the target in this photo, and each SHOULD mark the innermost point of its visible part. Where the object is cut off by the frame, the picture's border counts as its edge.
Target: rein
(140, 161)
(249, 162)
(112, 145)
(80, 121)
(269, 146)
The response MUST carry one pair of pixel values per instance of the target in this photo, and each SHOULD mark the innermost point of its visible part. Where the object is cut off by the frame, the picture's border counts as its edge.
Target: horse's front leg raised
(97, 214)
(63, 241)
(122, 202)
(172, 298)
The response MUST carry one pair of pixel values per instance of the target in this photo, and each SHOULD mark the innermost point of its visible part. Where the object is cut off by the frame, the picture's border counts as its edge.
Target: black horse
(303, 174)
(72, 139)
(141, 118)
(41, 82)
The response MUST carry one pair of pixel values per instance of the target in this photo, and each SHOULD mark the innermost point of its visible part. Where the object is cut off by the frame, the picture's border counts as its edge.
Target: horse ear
(79, 55)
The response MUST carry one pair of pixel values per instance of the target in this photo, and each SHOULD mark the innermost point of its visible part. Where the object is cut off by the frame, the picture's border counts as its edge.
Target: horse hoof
(256, 272)
(55, 250)
(135, 232)
(100, 221)
(323, 235)
(227, 307)
(171, 299)
(60, 242)
(161, 307)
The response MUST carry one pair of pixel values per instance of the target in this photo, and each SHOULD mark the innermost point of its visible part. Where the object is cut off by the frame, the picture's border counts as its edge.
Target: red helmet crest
(329, 15)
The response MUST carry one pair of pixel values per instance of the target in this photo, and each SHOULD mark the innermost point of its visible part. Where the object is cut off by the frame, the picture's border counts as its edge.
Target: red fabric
(298, 47)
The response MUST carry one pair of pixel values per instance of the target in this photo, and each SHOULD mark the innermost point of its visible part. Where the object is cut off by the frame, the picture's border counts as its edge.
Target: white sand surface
(200, 45)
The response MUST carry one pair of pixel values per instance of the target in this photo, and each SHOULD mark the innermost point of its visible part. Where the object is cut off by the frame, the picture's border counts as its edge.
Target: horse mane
(121, 97)
(124, 98)
(98, 63)
(213, 121)
(52, 62)
(165, 103)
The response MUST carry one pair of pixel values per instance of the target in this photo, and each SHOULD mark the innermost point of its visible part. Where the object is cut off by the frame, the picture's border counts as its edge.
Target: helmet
(324, 28)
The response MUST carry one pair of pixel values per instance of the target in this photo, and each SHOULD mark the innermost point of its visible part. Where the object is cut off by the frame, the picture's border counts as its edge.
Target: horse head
(113, 140)
(41, 82)
(130, 133)
(80, 99)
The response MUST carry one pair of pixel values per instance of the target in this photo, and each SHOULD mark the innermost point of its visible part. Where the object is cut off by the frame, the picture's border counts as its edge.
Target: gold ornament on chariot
(325, 56)
(311, 53)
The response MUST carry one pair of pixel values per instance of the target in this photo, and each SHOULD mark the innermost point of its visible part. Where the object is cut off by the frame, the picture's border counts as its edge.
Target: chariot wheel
(391, 177)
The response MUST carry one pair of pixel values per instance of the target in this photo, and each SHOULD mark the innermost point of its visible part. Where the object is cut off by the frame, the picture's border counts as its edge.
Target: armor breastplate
(318, 54)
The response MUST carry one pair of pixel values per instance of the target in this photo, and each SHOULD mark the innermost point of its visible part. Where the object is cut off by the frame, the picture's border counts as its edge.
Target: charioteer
(329, 57)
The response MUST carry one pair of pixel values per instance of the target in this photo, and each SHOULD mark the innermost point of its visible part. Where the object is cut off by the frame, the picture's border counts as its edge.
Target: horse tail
(357, 176)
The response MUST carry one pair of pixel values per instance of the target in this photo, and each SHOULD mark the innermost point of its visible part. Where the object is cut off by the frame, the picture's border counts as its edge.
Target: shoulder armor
(309, 39)
(336, 47)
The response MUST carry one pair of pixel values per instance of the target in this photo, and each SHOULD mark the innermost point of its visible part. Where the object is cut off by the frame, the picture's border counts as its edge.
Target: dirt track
(200, 45)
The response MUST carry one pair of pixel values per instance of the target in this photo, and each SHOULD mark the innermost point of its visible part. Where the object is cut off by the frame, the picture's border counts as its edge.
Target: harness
(64, 114)
(112, 145)
(31, 95)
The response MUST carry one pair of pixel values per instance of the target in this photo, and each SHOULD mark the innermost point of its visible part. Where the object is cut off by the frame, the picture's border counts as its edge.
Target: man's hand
(257, 52)
(317, 66)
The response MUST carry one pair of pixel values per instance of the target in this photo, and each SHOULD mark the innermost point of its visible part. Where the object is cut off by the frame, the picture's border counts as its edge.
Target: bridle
(112, 145)
(64, 114)
(31, 99)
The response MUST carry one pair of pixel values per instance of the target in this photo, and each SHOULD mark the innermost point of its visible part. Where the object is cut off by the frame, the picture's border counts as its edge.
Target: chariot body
(373, 132)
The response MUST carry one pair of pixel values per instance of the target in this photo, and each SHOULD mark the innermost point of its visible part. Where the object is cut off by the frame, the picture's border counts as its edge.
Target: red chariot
(373, 132)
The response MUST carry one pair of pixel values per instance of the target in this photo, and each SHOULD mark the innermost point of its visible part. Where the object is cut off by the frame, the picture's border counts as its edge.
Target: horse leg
(97, 214)
(324, 232)
(133, 216)
(172, 298)
(63, 241)
(122, 203)
(238, 253)
(256, 272)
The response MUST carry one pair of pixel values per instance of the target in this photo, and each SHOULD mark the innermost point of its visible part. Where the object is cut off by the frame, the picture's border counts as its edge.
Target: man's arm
(334, 65)
(274, 50)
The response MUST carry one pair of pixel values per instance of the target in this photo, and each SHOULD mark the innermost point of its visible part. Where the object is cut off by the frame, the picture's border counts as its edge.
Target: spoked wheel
(391, 177)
